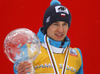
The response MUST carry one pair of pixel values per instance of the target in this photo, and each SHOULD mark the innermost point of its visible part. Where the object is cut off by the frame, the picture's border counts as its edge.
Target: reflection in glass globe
(21, 45)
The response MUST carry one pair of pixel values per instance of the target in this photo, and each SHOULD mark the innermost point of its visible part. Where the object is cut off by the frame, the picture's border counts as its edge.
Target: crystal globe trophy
(22, 45)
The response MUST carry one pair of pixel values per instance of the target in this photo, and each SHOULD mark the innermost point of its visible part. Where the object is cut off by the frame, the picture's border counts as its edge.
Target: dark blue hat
(56, 12)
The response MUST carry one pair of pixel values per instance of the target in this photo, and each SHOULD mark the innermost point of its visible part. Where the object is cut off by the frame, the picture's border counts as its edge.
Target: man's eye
(55, 24)
(65, 24)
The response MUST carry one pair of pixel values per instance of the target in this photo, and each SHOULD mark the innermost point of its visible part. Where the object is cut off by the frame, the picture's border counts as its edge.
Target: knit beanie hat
(56, 12)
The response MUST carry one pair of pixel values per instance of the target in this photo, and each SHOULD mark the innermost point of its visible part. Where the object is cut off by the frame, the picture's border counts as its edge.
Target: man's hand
(24, 67)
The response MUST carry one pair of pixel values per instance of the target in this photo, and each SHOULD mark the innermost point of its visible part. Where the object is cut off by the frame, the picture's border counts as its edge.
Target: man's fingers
(23, 64)
(24, 67)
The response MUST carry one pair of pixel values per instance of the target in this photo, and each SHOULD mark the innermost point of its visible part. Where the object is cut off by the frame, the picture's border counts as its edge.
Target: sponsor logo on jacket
(73, 52)
(49, 65)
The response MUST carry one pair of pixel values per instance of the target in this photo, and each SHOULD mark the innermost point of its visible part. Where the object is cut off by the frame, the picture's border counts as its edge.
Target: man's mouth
(59, 35)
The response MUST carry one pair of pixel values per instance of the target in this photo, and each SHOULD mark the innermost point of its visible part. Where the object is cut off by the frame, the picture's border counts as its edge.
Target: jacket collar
(55, 49)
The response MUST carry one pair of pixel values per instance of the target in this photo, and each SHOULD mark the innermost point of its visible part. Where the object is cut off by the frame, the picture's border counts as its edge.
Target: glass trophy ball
(21, 45)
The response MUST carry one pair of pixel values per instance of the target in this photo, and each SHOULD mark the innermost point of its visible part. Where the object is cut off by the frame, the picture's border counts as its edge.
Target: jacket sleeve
(15, 68)
(80, 71)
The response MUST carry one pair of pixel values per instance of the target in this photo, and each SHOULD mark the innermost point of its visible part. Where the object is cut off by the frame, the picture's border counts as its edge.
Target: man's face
(58, 30)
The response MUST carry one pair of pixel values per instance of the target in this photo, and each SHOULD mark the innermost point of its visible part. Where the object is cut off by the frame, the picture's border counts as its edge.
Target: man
(56, 55)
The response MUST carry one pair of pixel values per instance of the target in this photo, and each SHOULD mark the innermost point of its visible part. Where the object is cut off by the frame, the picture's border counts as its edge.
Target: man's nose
(60, 29)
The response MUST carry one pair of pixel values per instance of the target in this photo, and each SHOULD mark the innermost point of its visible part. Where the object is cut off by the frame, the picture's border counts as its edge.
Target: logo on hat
(48, 19)
(60, 9)
(63, 15)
